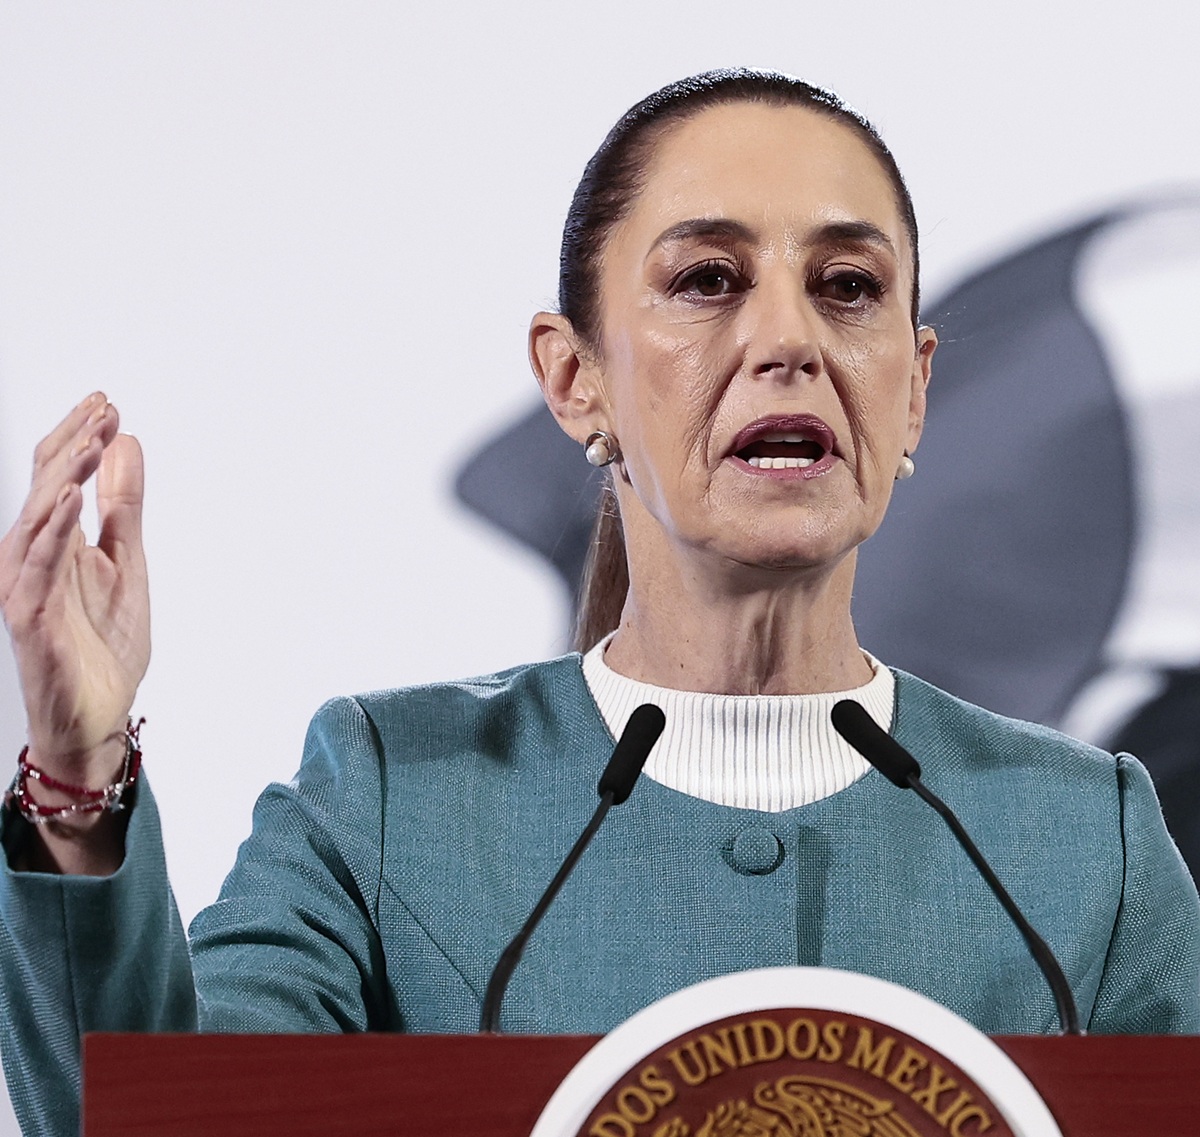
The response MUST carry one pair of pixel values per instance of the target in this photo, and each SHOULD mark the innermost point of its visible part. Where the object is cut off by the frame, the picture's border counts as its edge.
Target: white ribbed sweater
(765, 752)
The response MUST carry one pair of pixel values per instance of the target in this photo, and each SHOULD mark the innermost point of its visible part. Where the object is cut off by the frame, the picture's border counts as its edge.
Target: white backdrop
(298, 244)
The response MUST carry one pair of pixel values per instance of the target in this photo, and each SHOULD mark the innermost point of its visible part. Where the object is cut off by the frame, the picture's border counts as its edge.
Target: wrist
(87, 766)
(43, 796)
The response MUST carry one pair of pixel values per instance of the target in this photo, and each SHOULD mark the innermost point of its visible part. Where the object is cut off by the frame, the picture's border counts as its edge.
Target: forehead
(781, 170)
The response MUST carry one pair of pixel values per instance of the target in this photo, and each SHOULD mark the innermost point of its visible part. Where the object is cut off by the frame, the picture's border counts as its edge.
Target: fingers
(44, 560)
(74, 455)
(66, 430)
(69, 455)
(119, 490)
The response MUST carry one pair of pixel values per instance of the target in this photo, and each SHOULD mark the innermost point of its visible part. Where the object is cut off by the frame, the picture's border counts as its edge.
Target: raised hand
(79, 615)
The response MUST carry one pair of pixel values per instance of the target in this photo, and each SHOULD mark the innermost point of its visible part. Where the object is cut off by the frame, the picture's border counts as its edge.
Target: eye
(713, 278)
(850, 288)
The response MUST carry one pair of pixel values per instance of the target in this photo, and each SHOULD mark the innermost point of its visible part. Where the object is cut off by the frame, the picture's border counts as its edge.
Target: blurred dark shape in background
(532, 482)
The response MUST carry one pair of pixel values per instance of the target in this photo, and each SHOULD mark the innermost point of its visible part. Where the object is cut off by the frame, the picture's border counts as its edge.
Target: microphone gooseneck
(616, 784)
(855, 725)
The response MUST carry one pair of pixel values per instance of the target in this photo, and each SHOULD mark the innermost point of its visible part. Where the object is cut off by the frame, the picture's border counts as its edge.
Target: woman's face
(757, 359)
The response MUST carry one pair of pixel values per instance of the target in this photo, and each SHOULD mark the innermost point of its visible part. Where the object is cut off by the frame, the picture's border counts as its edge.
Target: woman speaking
(737, 342)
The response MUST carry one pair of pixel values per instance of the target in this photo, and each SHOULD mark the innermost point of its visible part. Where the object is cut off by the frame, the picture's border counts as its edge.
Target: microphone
(616, 784)
(855, 725)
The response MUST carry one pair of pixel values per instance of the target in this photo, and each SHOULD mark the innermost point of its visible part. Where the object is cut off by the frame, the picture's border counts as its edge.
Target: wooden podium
(495, 1086)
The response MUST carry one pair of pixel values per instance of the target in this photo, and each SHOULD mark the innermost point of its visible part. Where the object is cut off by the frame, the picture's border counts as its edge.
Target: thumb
(119, 488)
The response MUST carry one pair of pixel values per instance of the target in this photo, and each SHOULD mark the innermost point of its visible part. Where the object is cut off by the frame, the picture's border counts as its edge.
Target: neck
(726, 628)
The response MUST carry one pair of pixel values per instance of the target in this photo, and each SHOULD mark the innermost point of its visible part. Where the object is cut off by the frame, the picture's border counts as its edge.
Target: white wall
(298, 243)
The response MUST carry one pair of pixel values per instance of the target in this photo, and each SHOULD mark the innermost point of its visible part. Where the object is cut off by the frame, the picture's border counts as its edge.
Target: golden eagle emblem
(798, 1106)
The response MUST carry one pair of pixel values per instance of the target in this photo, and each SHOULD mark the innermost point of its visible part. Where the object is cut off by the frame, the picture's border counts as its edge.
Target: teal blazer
(380, 885)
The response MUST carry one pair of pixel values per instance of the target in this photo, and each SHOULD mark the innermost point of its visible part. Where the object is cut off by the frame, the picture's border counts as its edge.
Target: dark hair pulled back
(611, 182)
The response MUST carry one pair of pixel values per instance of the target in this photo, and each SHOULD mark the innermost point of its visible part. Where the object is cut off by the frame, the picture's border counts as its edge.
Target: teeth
(784, 438)
(780, 463)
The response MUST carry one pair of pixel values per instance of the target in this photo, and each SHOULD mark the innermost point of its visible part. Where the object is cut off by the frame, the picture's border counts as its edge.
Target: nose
(783, 335)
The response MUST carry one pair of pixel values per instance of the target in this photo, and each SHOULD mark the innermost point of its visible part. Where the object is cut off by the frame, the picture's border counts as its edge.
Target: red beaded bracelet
(86, 801)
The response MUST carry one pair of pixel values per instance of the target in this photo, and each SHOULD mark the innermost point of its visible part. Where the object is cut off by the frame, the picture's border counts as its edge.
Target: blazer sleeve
(1151, 980)
(85, 953)
(290, 945)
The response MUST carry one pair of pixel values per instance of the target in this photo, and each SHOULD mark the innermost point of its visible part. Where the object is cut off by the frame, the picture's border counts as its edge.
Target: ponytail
(605, 575)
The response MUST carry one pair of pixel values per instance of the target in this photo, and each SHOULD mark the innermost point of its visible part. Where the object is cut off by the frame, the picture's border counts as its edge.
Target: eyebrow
(722, 228)
(697, 228)
(852, 233)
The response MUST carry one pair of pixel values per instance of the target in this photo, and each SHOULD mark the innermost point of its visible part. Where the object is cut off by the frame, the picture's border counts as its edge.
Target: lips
(799, 445)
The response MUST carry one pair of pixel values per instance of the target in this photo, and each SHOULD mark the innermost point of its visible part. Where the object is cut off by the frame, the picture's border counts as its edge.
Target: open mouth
(782, 452)
(786, 442)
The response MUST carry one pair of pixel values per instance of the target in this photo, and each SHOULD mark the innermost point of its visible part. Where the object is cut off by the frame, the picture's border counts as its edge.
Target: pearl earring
(906, 469)
(600, 449)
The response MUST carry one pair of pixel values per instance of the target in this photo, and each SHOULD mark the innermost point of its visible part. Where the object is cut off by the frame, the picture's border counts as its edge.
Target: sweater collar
(763, 752)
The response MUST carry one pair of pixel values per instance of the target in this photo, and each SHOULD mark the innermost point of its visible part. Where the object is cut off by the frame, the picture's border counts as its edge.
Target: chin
(791, 543)
(795, 554)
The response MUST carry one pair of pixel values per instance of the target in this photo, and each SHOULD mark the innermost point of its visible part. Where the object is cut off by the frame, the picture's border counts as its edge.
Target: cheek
(667, 384)
(882, 375)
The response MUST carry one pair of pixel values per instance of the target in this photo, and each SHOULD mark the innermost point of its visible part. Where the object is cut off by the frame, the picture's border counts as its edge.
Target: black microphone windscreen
(855, 725)
(633, 748)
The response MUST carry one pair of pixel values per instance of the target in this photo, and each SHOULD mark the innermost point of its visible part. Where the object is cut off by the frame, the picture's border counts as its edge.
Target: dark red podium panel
(371, 1085)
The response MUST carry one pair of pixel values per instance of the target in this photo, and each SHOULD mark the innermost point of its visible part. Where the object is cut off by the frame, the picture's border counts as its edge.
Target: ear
(569, 376)
(927, 342)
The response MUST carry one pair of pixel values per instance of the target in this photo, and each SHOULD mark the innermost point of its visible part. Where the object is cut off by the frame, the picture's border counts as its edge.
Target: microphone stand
(616, 784)
(855, 725)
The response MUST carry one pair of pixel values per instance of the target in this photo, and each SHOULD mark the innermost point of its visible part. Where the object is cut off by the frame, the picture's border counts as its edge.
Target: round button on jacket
(755, 851)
